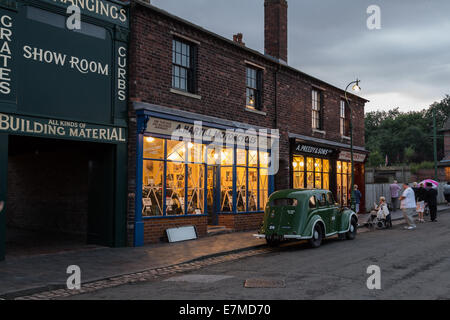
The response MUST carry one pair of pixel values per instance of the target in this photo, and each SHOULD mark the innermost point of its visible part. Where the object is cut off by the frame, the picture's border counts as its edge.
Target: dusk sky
(405, 64)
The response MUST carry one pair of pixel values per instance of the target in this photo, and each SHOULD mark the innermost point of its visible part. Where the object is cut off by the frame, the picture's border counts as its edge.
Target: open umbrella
(434, 183)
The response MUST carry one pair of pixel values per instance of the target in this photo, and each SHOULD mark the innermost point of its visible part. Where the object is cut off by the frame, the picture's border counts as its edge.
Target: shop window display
(316, 171)
(176, 175)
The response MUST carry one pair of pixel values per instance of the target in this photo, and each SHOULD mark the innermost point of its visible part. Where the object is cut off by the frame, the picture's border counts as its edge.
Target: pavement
(36, 273)
(392, 264)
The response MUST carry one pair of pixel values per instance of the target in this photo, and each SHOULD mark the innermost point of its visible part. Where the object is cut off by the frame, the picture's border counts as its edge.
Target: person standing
(431, 200)
(447, 193)
(420, 193)
(408, 206)
(358, 196)
(395, 192)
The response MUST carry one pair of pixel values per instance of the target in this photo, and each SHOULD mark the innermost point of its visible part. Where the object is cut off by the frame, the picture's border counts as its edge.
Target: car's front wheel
(317, 236)
(351, 234)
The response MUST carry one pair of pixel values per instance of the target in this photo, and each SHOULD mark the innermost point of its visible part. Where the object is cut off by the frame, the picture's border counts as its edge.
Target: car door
(326, 212)
(334, 213)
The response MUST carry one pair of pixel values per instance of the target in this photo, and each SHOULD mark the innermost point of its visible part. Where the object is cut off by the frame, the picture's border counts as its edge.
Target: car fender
(308, 230)
(346, 219)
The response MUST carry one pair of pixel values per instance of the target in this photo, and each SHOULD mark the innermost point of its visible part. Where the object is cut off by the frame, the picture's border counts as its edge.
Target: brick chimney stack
(238, 38)
(275, 29)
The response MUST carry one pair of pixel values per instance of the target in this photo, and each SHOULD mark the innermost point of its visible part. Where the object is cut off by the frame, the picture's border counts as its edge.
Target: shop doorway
(213, 195)
(60, 195)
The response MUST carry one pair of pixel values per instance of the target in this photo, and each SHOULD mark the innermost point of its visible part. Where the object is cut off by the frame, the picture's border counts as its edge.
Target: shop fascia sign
(199, 132)
(60, 129)
(347, 156)
(102, 9)
(319, 151)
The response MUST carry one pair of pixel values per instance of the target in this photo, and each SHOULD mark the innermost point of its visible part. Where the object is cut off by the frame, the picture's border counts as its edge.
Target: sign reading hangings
(60, 129)
(102, 9)
(347, 156)
(319, 151)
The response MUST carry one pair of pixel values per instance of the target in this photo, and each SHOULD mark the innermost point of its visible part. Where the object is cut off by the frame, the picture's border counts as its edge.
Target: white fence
(375, 191)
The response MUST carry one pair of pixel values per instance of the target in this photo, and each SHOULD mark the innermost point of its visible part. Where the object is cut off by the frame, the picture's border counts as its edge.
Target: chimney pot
(238, 38)
(275, 29)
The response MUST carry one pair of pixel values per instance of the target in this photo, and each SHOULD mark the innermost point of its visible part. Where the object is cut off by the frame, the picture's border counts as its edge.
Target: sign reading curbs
(61, 129)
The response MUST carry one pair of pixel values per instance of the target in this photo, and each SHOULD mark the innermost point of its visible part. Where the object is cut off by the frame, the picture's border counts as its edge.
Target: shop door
(213, 195)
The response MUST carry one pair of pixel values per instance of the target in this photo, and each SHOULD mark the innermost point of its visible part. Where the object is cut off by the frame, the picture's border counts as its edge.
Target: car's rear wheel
(351, 234)
(273, 241)
(317, 236)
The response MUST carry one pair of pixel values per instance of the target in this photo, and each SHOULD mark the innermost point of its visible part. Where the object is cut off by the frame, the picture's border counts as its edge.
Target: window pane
(326, 181)
(252, 189)
(264, 159)
(226, 187)
(241, 189)
(196, 189)
(318, 165)
(152, 188)
(326, 165)
(226, 156)
(310, 164)
(196, 152)
(253, 158)
(344, 167)
(153, 148)
(241, 157)
(175, 188)
(263, 188)
(318, 181)
(310, 180)
(339, 167)
(299, 180)
(176, 150)
(213, 154)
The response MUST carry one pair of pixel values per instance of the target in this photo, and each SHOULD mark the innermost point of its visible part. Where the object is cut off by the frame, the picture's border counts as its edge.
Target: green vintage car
(306, 214)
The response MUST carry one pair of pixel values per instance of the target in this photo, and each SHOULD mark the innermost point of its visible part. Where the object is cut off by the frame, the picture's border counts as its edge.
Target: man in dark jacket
(431, 200)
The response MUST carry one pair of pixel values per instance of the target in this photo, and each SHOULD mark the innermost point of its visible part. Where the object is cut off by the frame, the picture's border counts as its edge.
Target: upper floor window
(317, 117)
(254, 88)
(183, 66)
(344, 119)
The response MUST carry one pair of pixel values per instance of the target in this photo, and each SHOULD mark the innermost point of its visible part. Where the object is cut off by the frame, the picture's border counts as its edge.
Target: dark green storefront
(66, 85)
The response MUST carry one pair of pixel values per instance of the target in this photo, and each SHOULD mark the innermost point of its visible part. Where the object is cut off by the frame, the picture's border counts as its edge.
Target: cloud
(405, 64)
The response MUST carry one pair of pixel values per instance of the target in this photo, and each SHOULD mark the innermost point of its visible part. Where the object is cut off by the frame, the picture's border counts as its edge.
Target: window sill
(345, 137)
(256, 111)
(319, 131)
(186, 94)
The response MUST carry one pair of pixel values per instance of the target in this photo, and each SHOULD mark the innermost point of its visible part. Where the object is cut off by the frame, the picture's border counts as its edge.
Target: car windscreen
(284, 202)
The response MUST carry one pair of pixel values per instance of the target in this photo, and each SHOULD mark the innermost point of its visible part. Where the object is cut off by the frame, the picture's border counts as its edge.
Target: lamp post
(356, 88)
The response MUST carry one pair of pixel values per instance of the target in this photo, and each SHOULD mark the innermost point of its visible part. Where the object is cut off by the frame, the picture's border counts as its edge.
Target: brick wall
(241, 222)
(221, 85)
(155, 229)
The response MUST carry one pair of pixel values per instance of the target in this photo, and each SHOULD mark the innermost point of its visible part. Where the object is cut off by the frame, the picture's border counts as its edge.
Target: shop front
(326, 165)
(63, 125)
(199, 171)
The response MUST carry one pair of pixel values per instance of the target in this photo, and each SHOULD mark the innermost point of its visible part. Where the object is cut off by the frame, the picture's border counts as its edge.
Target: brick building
(445, 163)
(181, 75)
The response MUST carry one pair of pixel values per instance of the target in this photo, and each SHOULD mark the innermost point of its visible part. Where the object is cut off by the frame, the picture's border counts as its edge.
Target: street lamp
(355, 88)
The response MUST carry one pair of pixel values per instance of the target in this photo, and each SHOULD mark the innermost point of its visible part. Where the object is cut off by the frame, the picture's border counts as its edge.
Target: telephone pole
(435, 146)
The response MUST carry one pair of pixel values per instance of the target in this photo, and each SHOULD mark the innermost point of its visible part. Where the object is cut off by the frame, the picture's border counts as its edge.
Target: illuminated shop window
(196, 189)
(152, 185)
(298, 166)
(176, 175)
(343, 178)
(316, 171)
